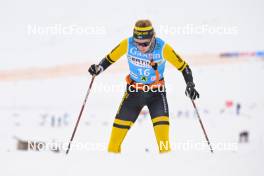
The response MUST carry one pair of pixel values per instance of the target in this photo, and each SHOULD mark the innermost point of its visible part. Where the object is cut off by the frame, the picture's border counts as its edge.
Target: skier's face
(143, 45)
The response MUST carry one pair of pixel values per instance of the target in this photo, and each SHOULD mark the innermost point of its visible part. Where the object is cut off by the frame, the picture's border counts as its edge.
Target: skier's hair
(143, 23)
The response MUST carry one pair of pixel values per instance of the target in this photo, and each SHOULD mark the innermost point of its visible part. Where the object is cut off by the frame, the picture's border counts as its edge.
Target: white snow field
(27, 102)
(43, 81)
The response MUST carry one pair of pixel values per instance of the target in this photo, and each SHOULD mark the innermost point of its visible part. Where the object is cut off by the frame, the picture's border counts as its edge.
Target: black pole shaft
(201, 123)
(80, 114)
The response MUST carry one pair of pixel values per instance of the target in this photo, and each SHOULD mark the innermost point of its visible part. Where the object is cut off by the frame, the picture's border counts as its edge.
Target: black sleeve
(187, 74)
(105, 63)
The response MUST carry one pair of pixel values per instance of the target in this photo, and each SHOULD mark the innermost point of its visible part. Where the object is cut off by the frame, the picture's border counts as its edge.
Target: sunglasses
(144, 44)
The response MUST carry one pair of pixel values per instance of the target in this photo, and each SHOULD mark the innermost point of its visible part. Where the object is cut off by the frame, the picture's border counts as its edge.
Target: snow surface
(26, 102)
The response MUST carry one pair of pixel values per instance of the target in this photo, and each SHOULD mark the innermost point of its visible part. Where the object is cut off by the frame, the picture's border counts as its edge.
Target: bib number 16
(144, 72)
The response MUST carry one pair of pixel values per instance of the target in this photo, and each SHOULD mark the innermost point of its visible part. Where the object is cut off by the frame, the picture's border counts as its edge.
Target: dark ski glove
(95, 69)
(191, 92)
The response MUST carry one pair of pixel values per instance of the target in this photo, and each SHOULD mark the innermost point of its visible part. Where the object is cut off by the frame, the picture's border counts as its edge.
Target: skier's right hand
(95, 69)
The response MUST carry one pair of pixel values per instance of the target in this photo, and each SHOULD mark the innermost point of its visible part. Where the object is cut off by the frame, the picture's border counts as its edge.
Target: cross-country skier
(147, 55)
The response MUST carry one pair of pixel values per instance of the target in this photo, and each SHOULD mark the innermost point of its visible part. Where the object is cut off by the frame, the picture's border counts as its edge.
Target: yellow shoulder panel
(170, 55)
(118, 51)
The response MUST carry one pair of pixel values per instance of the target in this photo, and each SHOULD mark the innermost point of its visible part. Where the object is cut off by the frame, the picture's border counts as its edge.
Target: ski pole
(201, 123)
(80, 114)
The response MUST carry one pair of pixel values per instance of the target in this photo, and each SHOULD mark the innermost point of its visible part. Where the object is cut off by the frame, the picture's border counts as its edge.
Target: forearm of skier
(190, 86)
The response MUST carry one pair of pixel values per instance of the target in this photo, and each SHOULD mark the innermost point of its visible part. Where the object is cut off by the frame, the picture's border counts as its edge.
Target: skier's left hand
(191, 91)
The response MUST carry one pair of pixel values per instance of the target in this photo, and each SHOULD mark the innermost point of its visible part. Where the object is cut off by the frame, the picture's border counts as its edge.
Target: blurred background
(46, 48)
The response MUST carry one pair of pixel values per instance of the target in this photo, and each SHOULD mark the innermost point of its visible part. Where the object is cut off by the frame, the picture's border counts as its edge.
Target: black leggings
(134, 100)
